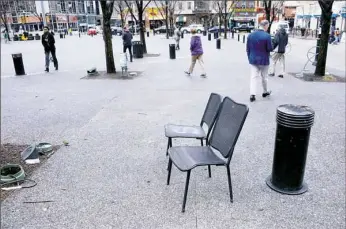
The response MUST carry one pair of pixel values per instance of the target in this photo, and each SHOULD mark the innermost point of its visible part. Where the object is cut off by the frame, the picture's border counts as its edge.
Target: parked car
(243, 28)
(198, 27)
(117, 30)
(161, 29)
(92, 31)
(216, 29)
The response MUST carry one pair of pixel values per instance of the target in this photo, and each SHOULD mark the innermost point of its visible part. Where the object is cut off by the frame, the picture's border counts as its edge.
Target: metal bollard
(209, 36)
(172, 51)
(18, 64)
(218, 43)
(147, 33)
(317, 51)
(243, 38)
(291, 146)
(238, 37)
(182, 35)
(232, 34)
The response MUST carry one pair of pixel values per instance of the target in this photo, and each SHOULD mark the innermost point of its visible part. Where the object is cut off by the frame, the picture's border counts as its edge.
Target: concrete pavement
(114, 173)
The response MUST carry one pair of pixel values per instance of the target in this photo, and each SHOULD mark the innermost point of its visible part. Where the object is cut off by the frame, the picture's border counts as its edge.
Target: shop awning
(180, 19)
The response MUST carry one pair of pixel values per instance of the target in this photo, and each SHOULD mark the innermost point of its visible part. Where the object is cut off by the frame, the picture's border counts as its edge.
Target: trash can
(18, 64)
(218, 43)
(137, 49)
(37, 36)
(172, 51)
(294, 123)
(61, 36)
(209, 36)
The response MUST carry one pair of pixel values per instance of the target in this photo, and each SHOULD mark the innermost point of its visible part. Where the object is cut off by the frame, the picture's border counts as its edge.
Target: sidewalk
(114, 173)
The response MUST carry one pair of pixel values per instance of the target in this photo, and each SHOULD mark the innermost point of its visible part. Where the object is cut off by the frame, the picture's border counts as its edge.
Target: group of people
(259, 46)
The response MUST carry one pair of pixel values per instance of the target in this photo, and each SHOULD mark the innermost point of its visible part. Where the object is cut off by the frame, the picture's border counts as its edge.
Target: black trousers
(55, 61)
(129, 47)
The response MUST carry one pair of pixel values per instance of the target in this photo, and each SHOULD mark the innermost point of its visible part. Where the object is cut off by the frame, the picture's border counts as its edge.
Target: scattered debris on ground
(11, 154)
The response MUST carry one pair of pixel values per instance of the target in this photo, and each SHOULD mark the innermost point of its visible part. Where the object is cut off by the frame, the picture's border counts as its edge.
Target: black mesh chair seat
(188, 157)
(181, 131)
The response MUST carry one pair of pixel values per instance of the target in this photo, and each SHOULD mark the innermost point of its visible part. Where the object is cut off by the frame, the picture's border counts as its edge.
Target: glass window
(180, 5)
(189, 5)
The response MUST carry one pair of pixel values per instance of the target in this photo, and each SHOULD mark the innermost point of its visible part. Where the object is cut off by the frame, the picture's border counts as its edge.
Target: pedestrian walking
(6, 37)
(280, 41)
(127, 42)
(337, 36)
(48, 43)
(177, 34)
(196, 53)
(258, 49)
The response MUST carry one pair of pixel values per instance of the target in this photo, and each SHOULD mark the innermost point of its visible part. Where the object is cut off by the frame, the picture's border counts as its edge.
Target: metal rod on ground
(317, 51)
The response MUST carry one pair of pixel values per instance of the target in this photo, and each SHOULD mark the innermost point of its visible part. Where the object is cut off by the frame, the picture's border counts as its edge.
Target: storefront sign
(245, 10)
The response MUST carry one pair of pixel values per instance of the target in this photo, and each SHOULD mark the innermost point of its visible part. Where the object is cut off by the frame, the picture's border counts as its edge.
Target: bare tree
(107, 10)
(168, 13)
(272, 10)
(326, 17)
(140, 7)
(4, 11)
(224, 11)
(120, 8)
(163, 5)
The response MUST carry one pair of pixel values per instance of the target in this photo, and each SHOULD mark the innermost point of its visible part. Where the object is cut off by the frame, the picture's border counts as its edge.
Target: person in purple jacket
(196, 53)
(258, 48)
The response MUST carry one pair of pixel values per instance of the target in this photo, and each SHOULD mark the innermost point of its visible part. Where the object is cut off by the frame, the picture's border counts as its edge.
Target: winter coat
(258, 47)
(48, 42)
(196, 46)
(127, 39)
(281, 40)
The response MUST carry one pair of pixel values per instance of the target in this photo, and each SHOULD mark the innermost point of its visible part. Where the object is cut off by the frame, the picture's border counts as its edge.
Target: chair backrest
(228, 126)
(211, 110)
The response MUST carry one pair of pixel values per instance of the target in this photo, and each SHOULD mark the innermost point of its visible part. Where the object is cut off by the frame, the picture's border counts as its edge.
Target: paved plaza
(113, 174)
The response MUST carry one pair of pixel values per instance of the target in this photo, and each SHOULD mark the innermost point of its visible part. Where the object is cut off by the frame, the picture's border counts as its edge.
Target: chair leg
(169, 170)
(169, 144)
(186, 189)
(229, 184)
(209, 170)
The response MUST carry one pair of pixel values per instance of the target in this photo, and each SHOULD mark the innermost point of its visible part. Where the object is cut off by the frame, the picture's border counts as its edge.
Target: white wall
(39, 6)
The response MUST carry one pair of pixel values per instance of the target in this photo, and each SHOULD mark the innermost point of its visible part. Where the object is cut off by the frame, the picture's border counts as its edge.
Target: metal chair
(223, 138)
(184, 131)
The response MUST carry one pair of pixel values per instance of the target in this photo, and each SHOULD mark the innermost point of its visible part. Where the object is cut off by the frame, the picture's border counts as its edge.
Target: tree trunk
(166, 20)
(141, 29)
(107, 36)
(267, 8)
(220, 22)
(225, 22)
(326, 17)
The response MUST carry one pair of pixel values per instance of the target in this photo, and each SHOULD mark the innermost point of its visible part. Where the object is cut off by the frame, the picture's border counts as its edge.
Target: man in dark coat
(127, 42)
(48, 43)
(280, 41)
(258, 49)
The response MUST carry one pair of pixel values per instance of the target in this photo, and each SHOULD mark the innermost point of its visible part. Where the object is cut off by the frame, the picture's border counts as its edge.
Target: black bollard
(238, 37)
(147, 33)
(182, 35)
(218, 43)
(291, 146)
(243, 38)
(18, 64)
(172, 51)
(204, 33)
(209, 36)
(232, 34)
